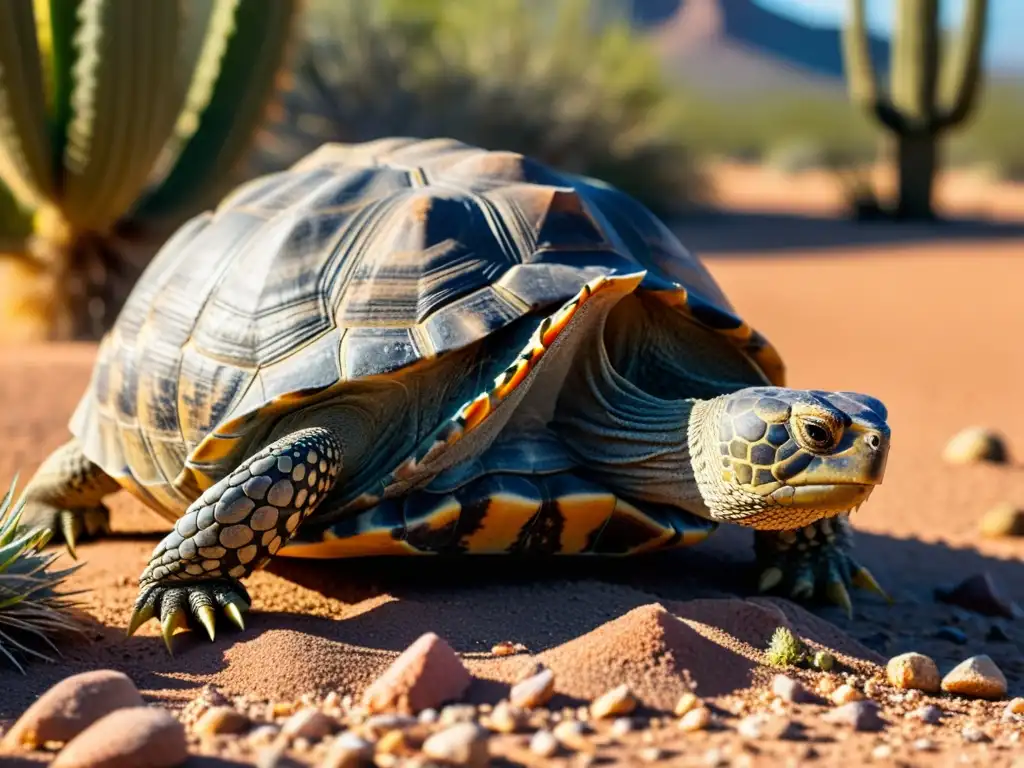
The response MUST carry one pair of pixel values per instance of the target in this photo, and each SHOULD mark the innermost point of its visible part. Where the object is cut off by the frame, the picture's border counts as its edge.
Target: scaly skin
(234, 528)
(66, 496)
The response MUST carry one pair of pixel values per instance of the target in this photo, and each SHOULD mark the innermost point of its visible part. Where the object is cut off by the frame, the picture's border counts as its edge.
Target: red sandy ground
(934, 329)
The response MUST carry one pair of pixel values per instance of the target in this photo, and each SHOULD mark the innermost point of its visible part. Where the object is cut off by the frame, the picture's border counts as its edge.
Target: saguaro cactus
(117, 107)
(914, 110)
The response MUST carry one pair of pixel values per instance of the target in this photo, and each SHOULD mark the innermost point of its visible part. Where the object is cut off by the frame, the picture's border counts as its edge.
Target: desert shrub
(533, 77)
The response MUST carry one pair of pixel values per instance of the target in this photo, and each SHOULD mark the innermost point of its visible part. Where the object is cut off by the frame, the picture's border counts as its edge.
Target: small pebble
(752, 726)
(924, 745)
(71, 706)
(1002, 520)
(980, 593)
(378, 725)
(507, 719)
(219, 720)
(859, 715)
(460, 744)
(134, 737)
(976, 444)
(426, 674)
(391, 743)
(953, 634)
(788, 689)
(823, 660)
(428, 715)
(457, 713)
(504, 648)
(715, 758)
(263, 734)
(1015, 708)
(978, 677)
(928, 714)
(534, 691)
(686, 702)
(973, 734)
(622, 726)
(651, 754)
(845, 694)
(544, 743)
(572, 734)
(617, 701)
(309, 723)
(913, 671)
(882, 752)
(695, 720)
(349, 750)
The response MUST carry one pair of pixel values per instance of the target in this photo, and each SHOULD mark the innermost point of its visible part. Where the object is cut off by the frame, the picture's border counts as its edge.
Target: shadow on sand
(754, 232)
(473, 601)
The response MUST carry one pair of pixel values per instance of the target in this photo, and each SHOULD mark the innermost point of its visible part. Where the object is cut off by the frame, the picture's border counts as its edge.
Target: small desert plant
(32, 612)
(785, 649)
(115, 110)
(544, 79)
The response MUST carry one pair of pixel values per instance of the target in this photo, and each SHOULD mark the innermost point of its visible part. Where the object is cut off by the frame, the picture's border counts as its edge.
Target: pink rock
(139, 737)
(71, 706)
(427, 674)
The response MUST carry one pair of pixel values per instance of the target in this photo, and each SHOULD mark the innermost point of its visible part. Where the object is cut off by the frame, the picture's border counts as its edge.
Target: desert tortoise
(406, 346)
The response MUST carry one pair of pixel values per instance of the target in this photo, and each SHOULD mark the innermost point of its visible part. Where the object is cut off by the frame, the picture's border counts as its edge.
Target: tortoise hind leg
(66, 495)
(235, 527)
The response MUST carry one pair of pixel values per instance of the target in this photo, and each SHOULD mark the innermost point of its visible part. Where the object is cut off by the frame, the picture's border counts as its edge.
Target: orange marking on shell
(476, 412)
(522, 371)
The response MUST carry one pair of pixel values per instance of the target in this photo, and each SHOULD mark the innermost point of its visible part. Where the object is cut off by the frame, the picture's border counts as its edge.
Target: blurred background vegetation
(574, 83)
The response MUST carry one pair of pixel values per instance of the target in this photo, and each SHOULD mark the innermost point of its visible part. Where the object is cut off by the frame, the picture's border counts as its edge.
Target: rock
(459, 744)
(349, 750)
(996, 634)
(506, 718)
(924, 745)
(544, 743)
(762, 725)
(788, 689)
(378, 725)
(457, 713)
(881, 752)
(651, 754)
(929, 714)
(686, 702)
(972, 734)
(309, 723)
(913, 671)
(133, 737)
(617, 701)
(859, 715)
(391, 743)
(845, 694)
(981, 594)
(427, 674)
(572, 734)
(978, 677)
(976, 444)
(621, 726)
(534, 691)
(1014, 709)
(428, 716)
(220, 720)
(695, 720)
(1002, 520)
(71, 706)
(504, 648)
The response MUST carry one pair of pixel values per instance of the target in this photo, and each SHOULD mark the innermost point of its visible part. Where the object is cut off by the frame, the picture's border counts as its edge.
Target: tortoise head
(776, 458)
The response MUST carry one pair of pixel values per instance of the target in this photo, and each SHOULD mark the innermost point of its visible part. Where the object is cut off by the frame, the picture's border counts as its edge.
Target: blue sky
(1004, 48)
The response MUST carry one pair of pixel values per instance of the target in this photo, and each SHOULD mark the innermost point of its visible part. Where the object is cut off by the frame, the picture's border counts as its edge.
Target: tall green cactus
(914, 109)
(110, 108)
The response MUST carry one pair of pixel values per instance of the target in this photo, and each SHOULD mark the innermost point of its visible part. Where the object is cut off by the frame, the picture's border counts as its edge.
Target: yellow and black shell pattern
(358, 262)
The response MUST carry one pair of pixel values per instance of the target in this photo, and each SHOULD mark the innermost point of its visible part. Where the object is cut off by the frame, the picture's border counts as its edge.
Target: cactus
(32, 612)
(115, 111)
(913, 110)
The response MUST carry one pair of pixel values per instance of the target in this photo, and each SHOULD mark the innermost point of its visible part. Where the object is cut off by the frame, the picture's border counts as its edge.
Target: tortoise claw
(208, 618)
(181, 605)
(140, 616)
(232, 611)
(837, 593)
(863, 579)
(803, 588)
(170, 622)
(70, 528)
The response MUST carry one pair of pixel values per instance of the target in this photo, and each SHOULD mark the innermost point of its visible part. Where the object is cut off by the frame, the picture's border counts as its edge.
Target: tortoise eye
(815, 435)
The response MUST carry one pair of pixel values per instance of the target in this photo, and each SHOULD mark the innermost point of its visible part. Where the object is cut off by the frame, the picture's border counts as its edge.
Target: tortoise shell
(359, 262)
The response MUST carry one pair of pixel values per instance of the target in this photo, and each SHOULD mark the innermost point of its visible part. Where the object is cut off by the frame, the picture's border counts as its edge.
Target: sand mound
(283, 664)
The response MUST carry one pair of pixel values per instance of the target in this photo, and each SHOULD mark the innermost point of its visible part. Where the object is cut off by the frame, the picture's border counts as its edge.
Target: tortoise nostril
(873, 441)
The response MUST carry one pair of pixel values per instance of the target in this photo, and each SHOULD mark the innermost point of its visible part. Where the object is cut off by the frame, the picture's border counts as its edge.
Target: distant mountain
(733, 46)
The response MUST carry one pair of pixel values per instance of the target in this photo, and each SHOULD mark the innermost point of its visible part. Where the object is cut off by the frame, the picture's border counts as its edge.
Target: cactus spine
(914, 109)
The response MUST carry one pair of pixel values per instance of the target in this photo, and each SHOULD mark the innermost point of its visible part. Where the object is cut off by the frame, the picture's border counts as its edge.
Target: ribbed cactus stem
(967, 64)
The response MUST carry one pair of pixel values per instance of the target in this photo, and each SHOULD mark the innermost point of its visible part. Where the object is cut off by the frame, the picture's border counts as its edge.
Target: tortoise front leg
(234, 528)
(813, 561)
(66, 495)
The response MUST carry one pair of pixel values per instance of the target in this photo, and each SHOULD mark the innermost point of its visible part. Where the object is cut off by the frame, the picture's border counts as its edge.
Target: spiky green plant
(549, 80)
(32, 612)
(914, 110)
(785, 649)
(111, 108)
